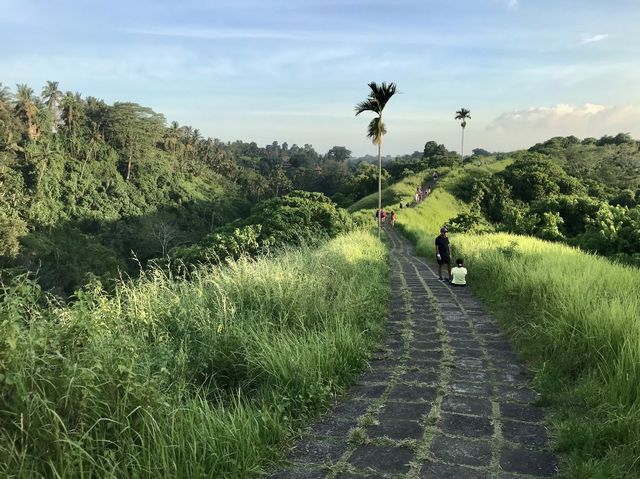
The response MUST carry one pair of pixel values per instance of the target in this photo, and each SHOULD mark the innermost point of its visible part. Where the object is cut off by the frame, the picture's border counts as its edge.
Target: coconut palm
(51, 96)
(375, 102)
(5, 94)
(464, 115)
(26, 108)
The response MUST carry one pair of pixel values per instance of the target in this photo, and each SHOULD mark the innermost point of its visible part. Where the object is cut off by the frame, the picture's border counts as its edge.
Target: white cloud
(593, 38)
(517, 129)
(512, 4)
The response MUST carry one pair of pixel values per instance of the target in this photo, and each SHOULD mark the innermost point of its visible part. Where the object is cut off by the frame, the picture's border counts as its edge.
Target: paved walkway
(446, 397)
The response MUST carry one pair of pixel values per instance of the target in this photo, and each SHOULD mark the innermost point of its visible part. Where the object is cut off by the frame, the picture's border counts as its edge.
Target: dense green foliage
(174, 378)
(91, 190)
(295, 219)
(583, 193)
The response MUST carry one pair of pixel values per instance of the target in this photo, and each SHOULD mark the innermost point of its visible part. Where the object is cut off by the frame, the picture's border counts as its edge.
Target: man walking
(443, 253)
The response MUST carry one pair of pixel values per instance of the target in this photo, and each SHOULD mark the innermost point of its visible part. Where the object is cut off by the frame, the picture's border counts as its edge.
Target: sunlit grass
(403, 190)
(174, 378)
(574, 317)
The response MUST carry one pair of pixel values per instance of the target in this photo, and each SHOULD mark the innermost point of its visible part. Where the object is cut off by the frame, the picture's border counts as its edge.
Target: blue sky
(264, 70)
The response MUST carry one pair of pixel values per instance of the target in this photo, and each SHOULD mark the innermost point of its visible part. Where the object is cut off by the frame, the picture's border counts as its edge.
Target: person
(428, 191)
(401, 205)
(435, 176)
(459, 274)
(383, 215)
(393, 218)
(377, 214)
(443, 253)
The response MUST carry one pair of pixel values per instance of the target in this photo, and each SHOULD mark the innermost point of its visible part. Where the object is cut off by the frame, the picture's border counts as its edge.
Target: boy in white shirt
(459, 274)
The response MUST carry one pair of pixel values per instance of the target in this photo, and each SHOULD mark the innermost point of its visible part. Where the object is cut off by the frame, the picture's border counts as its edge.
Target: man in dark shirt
(443, 254)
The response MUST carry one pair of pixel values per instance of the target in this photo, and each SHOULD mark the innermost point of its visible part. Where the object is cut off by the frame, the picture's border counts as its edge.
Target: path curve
(447, 398)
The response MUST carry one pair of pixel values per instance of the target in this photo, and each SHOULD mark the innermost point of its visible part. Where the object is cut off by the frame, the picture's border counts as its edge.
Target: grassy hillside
(573, 316)
(391, 195)
(169, 378)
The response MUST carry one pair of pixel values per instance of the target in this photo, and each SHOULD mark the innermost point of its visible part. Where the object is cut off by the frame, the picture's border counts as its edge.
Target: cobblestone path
(446, 398)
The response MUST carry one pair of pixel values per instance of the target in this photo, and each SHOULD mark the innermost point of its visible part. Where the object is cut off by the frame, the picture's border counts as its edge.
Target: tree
(27, 108)
(72, 111)
(5, 94)
(463, 114)
(51, 96)
(338, 153)
(437, 156)
(375, 102)
(133, 129)
(480, 152)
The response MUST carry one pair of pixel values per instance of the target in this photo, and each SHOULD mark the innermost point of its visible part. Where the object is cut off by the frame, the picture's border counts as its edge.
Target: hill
(570, 313)
(91, 191)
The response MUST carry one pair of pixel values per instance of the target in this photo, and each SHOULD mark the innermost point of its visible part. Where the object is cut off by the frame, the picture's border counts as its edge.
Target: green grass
(489, 163)
(391, 195)
(423, 222)
(574, 318)
(172, 378)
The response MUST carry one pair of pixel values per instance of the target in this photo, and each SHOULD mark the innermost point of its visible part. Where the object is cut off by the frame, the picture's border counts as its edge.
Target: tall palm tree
(26, 107)
(375, 102)
(51, 96)
(464, 115)
(5, 94)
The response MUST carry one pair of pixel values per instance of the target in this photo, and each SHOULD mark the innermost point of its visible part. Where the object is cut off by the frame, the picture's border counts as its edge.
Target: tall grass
(576, 318)
(422, 223)
(394, 193)
(176, 378)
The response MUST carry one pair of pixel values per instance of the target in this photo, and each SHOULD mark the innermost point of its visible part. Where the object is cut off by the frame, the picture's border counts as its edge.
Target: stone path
(446, 398)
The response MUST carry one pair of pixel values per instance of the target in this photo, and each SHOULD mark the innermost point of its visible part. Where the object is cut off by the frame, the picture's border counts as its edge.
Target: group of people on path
(382, 213)
(457, 274)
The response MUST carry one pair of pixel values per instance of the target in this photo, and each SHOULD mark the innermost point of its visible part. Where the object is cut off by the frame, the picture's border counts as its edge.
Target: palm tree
(26, 107)
(5, 94)
(51, 96)
(463, 114)
(375, 102)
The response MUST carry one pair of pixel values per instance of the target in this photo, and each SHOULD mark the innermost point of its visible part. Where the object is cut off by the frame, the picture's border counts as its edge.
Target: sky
(285, 70)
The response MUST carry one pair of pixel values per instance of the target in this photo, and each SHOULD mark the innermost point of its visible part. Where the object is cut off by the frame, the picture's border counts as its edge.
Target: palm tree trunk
(379, 187)
(462, 150)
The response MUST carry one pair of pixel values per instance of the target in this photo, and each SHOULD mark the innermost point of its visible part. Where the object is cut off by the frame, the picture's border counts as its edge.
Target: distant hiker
(393, 218)
(435, 176)
(383, 215)
(428, 190)
(416, 197)
(443, 253)
(459, 273)
(401, 205)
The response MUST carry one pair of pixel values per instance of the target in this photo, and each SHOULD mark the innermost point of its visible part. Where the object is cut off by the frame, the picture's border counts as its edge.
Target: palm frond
(382, 93)
(377, 99)
(368, 105)
(375, 130)
(463, 114)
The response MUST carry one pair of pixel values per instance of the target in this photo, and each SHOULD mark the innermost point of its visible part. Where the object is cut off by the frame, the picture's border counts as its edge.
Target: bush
(295, 219)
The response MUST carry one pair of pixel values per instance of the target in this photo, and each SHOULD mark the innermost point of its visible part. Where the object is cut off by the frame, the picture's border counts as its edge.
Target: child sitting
(459, 274)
